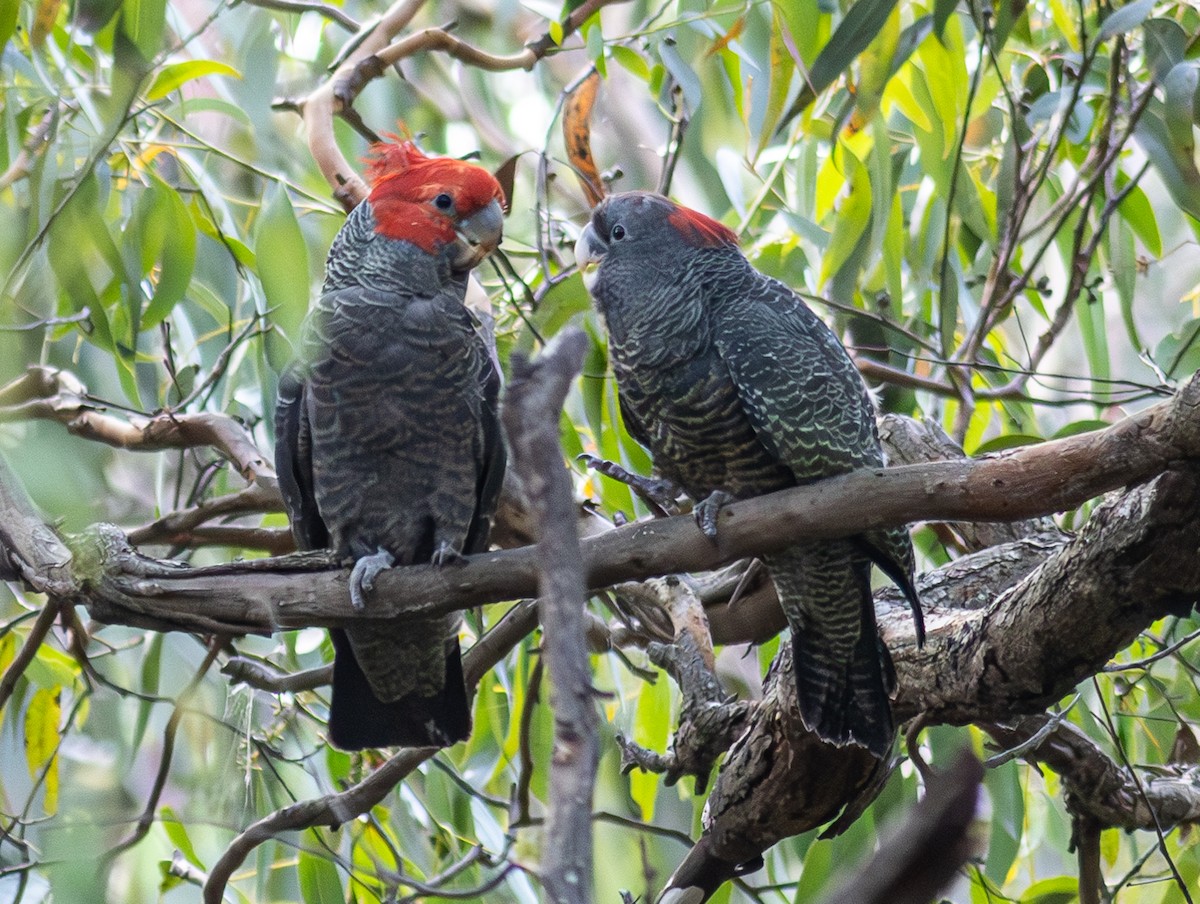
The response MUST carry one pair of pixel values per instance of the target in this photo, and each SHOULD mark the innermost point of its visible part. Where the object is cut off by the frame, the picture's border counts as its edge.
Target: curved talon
(706, 512)
(364, 573)
(446, 554)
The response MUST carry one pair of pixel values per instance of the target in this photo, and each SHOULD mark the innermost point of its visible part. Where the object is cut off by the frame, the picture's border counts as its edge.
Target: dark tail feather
(357, 719)
(847, 702)
(899, 575)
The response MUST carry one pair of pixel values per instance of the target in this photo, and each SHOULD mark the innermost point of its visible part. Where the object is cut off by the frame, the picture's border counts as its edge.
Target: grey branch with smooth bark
(532, 404)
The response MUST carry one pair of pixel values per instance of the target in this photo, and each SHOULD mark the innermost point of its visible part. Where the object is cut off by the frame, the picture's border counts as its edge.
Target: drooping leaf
(685, 77)
(942, 10)
(142, 21)
(177, 258)
(41, 741)
(783, 70)
(177, 831)
(853, 216)
(577, 136)
(319, 880)
(282, 262)
(1174, 163)
(1136, 210)
(9, 10)
(44, 17)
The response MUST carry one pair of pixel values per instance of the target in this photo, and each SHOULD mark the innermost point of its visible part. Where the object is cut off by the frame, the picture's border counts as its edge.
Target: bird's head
(641, 226)
(434, 202)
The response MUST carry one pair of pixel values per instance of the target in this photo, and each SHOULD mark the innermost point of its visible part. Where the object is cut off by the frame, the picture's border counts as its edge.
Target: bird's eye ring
(617, 233)
(443, 201)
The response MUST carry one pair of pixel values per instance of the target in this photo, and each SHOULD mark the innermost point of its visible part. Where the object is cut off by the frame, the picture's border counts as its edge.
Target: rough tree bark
(534, 398)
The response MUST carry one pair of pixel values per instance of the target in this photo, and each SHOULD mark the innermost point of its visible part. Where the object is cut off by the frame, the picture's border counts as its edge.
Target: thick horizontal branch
(1023, 483)
(1133, 563)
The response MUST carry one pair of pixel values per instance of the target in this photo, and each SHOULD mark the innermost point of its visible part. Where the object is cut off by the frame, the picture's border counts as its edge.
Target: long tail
(844, 673)
(357, 719)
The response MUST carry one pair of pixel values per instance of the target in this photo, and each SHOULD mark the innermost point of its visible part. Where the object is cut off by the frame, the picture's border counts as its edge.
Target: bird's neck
(361, 256)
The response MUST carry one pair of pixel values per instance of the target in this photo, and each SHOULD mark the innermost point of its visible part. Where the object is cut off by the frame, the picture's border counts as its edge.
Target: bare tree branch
(374, 52)
(46, 393)
(243, 598)
(1097, 787)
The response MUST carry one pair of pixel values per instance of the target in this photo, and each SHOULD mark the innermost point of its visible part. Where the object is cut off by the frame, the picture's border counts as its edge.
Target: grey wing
(809, 407)
(494, 459)
(799, 388)
(293, 461)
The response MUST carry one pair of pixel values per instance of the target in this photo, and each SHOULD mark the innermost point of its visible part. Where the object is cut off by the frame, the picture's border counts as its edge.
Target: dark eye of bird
(618, 232)
(443, 201)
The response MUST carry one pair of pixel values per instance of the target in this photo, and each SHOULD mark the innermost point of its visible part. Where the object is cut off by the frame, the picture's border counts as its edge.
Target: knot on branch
(708, 723)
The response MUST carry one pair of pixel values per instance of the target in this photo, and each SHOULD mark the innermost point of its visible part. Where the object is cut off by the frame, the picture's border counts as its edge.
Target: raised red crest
(700, 230)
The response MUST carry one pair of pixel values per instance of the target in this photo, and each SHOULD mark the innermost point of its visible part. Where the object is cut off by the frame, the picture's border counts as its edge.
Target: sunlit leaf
(853, 217)
(178, 833)
(1136, 210)
(173, 75)
(1059, 890)
(783, 69)
(631, 60)
(651, 727)
(9, 10)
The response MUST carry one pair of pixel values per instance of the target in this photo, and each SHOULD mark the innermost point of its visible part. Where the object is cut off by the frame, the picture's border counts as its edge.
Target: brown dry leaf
(577, 136)
(43, 20)
(1185, 749)
(506, 175)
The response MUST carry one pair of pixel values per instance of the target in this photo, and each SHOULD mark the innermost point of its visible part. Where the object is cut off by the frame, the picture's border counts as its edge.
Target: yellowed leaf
(41, 741)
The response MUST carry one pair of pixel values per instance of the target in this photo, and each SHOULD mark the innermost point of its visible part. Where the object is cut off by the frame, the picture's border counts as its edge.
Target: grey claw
(364, 573)
(707, 510)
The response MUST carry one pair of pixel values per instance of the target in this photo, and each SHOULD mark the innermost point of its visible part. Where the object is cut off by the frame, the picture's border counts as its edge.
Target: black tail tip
(847, 702)
(359, 720)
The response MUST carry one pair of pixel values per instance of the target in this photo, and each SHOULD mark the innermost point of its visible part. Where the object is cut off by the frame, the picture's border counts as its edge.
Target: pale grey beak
(589, 252)
(479, 235)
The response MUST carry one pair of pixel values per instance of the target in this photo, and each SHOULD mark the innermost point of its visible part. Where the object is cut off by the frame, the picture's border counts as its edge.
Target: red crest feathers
(700, 230)
(404, 183)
